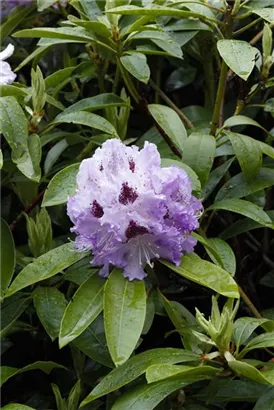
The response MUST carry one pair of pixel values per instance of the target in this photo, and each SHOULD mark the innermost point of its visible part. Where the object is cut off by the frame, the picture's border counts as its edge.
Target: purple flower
(7, 76)
(8, 5)
(128, 210)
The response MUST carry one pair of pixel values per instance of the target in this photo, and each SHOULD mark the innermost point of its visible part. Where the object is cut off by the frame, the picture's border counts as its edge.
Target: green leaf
(47, 367)
(239, 187)
(244, 327)
(136, 366)
(248, 153)
(245, 208)
(266, 13)
(14, 20)
(266, 401)
(159, 372)
(237, 120)
(7, 256)
(81, 311)
(62, 185)
(11, 310)
(206, 274)
(44, 4)
(146, 397)
(50, 305)
(63, 33)
(248, 371)
(74, 396)
(170, 122)
(221, 254)
(258, 342)
(156, 11)
(238, 55)
(17, 406)
(92, 342)
(124, 315)
(26, 151)
(136, 64)
(30, 166)
(86, 118)
(215, 177)
(60, 402)
(53, 154)
(97, 102)
(242, 226)
(196, 185)
(13, 91)
(45, 267)
(199, 153)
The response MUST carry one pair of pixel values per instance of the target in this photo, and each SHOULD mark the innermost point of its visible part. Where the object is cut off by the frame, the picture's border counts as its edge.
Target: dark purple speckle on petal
(97, 210)
(127, 195)
(135, 230)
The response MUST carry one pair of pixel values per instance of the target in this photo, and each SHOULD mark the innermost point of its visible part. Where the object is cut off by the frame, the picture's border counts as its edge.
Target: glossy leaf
(237, 120)
(64, 33)
(17, 406)
(92, 342)
(159, 372)
(7, 256)
(215, 177)
(50, 305)
(248, 153)
(266, 13)
(266, 401)
(136, 64)
(146, 397)
(199, 153)
(62, 185)
(222, 254)
(245, 208)
(86, 118)
(11, 310)
(244, 327)
(53, 155)
(248, 371)
(26, 151)
(242, 226)
(155, 11)
(136, 366)
(261, 341)
(124, 315)
(47, 367)
(206, 274)
(238, 55)
(170, 122)
(239, 187)
(84, 307)
(45, 266)
(97, 102)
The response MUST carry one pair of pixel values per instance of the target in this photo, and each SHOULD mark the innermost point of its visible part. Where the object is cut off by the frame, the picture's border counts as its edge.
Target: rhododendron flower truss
(129, 211)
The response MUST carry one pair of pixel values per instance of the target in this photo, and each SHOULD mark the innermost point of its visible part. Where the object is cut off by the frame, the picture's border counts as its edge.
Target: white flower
(7, 76)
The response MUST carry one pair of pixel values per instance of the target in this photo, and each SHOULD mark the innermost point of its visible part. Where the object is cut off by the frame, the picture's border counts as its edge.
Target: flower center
(97, 209)
(127, 195)
(134, 230)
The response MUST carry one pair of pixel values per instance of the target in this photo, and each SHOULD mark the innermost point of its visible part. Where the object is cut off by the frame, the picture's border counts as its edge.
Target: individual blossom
(129, 211)
(7, 76)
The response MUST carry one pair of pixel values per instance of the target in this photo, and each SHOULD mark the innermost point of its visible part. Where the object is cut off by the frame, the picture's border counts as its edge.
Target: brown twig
(27, 210)
(164, 97)
(248, 302)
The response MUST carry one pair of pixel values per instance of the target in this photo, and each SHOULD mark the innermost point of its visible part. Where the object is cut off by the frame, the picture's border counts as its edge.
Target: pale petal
(7, 76)
(9, 50)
